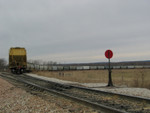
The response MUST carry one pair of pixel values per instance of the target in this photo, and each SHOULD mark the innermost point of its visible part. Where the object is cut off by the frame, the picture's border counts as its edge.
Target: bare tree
(3, 63)
(50, 63)
(40, 62)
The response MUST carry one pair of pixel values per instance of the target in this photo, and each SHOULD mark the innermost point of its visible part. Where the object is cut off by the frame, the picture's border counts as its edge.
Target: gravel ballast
(13, 99)
(142, 92)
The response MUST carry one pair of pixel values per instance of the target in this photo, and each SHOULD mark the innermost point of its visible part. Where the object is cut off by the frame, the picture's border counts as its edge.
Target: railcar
(107, 67)
(86, 67)
(93, 67)
(73, 67)
(54, 68)
(28, 66)
(37, 67)
(116, 67)
(130, 67)
(66, 68)
(41, 67)
(100, 67)
(138, 67)
(148, 66)
(60, 68)
(32, 66)
(45, 68)
(79, 67)
(50, 68)
(17, 60)
(124, 67)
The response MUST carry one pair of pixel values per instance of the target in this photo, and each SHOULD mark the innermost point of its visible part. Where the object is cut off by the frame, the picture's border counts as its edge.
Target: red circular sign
(108, 54)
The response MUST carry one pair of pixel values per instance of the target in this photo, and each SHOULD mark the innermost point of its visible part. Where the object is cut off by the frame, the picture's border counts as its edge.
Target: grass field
(121, 77)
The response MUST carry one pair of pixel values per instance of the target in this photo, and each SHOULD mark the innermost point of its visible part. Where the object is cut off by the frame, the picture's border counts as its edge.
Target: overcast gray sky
(72, 31)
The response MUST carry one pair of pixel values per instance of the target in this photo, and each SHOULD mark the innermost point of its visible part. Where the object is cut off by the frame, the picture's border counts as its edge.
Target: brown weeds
(121, 77)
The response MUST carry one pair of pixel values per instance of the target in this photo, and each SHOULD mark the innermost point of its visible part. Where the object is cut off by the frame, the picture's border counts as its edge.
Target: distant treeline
(127, 63)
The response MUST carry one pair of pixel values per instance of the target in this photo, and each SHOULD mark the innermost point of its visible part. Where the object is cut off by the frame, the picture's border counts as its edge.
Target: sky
(76, 31)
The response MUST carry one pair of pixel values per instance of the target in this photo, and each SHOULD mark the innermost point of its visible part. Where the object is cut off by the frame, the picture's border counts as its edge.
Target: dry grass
(127, 77)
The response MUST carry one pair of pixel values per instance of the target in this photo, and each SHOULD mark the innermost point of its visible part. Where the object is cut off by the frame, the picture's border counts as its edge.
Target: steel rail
(85, 102)
(61, 87)
(137, 98)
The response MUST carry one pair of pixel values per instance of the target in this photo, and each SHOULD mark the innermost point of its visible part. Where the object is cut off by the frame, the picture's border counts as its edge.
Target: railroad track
(105, 101)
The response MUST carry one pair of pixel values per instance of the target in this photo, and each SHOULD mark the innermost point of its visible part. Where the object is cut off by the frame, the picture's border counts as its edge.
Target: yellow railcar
(17, 59)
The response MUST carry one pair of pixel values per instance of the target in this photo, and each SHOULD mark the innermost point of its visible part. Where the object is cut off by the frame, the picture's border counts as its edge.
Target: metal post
(109, 71)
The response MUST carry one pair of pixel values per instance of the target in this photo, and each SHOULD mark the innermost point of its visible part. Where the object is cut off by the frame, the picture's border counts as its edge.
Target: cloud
(73, 29)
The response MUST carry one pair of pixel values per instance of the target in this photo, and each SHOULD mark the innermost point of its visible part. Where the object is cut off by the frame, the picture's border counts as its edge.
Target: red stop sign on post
(109, 54)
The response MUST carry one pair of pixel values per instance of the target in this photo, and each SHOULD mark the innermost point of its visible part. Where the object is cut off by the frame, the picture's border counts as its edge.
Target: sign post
(109, 55)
